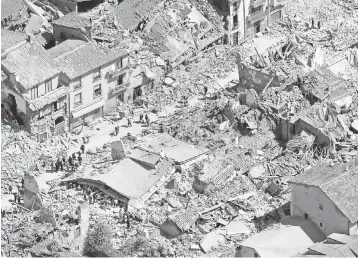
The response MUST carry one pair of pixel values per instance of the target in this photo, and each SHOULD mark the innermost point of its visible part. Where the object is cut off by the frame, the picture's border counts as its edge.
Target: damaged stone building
(35, 89)
(246, 18)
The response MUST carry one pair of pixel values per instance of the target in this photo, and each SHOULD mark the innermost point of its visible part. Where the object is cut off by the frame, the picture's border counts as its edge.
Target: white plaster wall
(41, 88)
(306, 199)
(88, 84)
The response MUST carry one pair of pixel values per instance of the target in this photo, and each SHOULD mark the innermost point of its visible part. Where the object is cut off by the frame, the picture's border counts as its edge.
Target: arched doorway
(59, 125)
(59, 120)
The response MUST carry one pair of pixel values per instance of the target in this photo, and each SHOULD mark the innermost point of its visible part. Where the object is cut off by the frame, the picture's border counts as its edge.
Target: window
(43, 112)
(321, 207)
(97, 75)
(257, 26)
(321, 224)
(235, 23)
(120, 80)
(48, 86)
(55, 106)
(119, 64)
(306, 216)
(97, 91)
(78, 99)
(34, 93)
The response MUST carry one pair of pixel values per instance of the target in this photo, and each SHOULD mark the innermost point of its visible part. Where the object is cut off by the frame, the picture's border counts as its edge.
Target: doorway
(59, 125)
(257, 27)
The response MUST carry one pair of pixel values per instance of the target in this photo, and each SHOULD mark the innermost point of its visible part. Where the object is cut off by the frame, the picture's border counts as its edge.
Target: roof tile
(339, 183)
(73, 20)
(43, 67)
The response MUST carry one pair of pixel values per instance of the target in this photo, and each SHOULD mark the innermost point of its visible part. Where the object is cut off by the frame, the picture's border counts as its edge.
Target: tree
(98, 242)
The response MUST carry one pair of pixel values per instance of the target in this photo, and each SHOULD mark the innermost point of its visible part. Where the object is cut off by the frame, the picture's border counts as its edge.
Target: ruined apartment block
(246, 18)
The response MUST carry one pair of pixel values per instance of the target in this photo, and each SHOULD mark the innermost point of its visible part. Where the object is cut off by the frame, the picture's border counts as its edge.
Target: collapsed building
(247, 18)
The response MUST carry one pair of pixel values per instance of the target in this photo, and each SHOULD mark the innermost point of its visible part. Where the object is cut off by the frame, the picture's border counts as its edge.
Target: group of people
(72, 163)
(141, 116)
(93, 195)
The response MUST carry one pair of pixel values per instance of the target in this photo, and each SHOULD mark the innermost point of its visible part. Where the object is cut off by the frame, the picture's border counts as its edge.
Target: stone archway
(59, 125)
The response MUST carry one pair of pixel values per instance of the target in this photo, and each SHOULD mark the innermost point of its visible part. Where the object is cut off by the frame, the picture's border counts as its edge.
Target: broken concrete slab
(237, 227)
(257, 171)
(212, 240)
(118, 150)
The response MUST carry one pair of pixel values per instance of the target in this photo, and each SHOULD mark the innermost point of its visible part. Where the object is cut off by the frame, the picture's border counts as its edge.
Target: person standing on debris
(299, 81)
(70, 161)
(64, 161)
(141, 118)
(22, 183)
(15, 196)
(61, 164)
(80, 159)
(82, 148)
(319, 24)
(129, 122)
(74, 156)
(312, 23)
(57, 165)
(10, 189)
(205, 90)
(116, 130)
(147, 119)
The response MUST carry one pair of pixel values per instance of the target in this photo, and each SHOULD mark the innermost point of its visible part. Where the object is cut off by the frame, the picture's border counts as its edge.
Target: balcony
(57, 113)
(118, 71)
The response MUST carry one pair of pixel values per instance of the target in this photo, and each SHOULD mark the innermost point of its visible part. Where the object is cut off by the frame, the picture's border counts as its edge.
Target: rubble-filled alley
(179, 128)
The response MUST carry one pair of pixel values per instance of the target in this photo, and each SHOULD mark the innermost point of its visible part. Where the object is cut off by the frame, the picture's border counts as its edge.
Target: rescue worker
(147, 119)
(83, 148)
(79, 159)
(141, 118)
(129, 122)
(205, 90)
(70, 161)
(116, 130)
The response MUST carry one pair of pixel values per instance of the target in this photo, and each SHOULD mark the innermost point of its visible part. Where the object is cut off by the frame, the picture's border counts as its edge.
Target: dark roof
(11, 38)
(85, 58)
(339, 183)
(185, 218)
(31, 64)
(129, 13)
(73, 20)
(12, 7)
